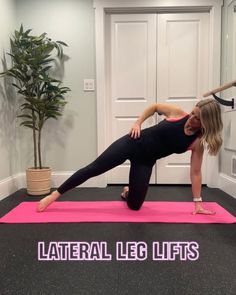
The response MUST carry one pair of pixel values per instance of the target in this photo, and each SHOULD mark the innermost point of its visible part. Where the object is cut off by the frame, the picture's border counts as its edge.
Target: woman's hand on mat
(200, 210)
(135, 130)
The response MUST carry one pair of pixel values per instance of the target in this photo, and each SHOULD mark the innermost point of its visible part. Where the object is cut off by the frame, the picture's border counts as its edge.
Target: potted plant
(43, 96)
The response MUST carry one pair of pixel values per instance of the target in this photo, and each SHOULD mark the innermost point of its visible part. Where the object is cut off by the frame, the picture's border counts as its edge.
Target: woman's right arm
(168, 110)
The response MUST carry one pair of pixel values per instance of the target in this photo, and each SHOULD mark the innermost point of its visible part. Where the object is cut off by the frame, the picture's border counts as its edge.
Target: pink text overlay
(124, 251)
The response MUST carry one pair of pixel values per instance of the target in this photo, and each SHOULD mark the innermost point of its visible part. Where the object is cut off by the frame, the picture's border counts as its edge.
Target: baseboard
(227, 184)
(59, 177)
(13, 183)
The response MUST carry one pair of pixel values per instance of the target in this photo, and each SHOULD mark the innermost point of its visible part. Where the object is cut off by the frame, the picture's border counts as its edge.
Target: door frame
(106, 7)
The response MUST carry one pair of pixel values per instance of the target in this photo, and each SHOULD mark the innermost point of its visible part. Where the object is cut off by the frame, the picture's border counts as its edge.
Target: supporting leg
(139, 178)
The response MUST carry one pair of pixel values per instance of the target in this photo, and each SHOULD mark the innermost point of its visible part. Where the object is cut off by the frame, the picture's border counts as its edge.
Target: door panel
(182, 75)
(155, 58)
(133, 77)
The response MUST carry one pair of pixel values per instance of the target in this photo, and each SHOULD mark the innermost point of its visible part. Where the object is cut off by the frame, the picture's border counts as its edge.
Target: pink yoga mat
(116, 211)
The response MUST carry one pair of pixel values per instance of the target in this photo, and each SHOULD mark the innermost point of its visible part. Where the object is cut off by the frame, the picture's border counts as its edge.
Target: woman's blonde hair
(211, 122)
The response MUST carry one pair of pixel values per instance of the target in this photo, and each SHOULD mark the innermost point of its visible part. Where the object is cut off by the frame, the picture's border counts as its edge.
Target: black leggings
(117, 153)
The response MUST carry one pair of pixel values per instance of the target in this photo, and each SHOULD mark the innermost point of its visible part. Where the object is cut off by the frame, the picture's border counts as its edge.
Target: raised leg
(113, 156)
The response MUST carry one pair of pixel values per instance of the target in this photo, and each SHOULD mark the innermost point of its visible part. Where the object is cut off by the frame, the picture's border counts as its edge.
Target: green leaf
(47, 68)
(17, 34)
(21, 29)
(25, 116)
(29, 126)
(9, 74)
(43, 35)
(16, 86)
(27, 122)
(27, 32)
(62, 43)
(47, 61)
(12, 43)
(12, 55)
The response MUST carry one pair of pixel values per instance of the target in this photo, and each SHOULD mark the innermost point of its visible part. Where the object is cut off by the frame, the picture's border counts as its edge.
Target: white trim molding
(16, 182)
(156, 4)
(59, 177)
(11, 184)
(104, 7)
(227, 184)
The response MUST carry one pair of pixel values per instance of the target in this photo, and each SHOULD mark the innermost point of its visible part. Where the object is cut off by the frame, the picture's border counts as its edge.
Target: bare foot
(125, 192)
(45, 202)
(203, 211)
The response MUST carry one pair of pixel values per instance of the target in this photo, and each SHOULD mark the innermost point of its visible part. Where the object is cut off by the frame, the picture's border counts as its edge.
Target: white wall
(70, 142)
(9, 151)
(228, 73)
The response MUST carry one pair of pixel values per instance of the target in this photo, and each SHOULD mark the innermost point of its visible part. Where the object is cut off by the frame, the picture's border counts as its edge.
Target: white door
(155, 58)
(182, 76)
(132, 78)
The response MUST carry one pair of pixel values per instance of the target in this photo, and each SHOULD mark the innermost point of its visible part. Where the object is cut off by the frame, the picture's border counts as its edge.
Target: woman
(177, 133)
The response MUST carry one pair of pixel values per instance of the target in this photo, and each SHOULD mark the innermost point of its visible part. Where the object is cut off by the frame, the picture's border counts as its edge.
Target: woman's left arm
(196, 178)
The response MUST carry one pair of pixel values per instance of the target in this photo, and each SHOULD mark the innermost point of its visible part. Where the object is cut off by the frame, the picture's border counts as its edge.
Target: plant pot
(38, 181)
